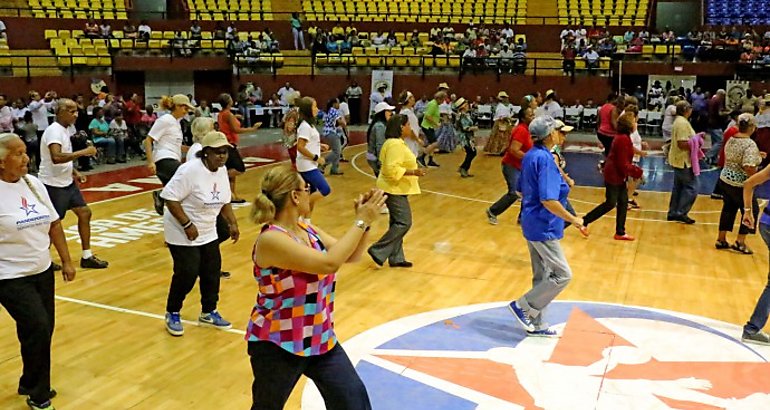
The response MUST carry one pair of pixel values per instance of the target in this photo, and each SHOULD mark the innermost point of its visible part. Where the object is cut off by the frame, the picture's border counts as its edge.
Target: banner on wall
(380, 77)
(736, 90)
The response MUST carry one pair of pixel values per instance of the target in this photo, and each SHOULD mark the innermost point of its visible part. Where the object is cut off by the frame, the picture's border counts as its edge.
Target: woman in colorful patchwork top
(291, 329)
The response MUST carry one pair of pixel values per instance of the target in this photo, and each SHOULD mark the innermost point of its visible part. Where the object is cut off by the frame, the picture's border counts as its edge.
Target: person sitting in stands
(91, 29)
(129, 31)
(105, 29)
(144, 30)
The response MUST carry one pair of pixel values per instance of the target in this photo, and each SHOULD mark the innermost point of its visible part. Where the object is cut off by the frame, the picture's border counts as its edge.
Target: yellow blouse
(396, 158)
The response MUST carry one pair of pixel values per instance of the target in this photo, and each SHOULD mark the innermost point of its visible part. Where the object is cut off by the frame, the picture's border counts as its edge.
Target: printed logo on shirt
(607, 356)
(214, 192)
(215, 201)
(26, 221)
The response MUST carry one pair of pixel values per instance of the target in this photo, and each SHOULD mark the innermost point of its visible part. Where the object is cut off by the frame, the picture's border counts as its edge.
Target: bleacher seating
(5, 55)
(603, 12)
(79, 9)
(728, 12)
(231, 10)
(458, 12)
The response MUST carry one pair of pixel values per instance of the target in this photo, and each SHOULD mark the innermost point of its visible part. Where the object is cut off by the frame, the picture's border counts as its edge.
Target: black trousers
(732, 202)
(355, 110)
(30, 302)
(615, 196)
(607, 142)
(277, 371)
(191, 263)
(165, 169)
(470, 153)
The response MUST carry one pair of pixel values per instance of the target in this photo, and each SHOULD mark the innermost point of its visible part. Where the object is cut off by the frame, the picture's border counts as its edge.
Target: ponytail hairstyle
(746, 122)
(167, 104)
(305, 109)
(276, 188)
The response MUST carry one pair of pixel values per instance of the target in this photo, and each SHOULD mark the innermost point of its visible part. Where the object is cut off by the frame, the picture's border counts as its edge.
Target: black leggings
(616, 196)
(732, 202)
(470, 153)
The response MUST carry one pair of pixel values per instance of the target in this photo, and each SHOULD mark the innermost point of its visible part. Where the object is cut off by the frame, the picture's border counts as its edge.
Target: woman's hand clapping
(369, 204)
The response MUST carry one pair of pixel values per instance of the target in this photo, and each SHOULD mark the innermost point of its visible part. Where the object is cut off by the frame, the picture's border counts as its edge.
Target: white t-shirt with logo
(56, 175)
(313, 138)
(24, 224)
(167, 135)
(203, 194)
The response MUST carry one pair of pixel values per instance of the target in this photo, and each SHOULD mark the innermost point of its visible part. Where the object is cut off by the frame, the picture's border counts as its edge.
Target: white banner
(381, 77)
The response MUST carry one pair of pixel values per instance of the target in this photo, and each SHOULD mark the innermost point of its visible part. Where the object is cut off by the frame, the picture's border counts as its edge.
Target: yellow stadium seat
(49, 34)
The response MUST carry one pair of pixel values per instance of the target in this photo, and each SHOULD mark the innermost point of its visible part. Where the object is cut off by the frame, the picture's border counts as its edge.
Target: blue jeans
(511, 176)
(762, 310)
(716, 144)
(684, 193)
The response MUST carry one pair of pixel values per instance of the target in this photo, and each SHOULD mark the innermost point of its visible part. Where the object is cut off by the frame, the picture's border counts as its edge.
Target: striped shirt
(294, 309)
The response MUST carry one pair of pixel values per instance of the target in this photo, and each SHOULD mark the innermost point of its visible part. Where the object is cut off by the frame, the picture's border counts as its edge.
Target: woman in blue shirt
(544, 193)
(100, 129)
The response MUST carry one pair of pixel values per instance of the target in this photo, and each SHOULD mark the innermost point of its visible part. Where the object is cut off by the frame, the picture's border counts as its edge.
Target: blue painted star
(215, 193)
(27, 207)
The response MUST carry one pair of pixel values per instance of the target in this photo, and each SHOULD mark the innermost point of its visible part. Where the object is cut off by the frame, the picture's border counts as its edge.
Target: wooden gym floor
(111, 350)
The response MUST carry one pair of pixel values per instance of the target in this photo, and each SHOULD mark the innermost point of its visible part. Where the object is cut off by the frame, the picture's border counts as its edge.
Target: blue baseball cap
(541, 127)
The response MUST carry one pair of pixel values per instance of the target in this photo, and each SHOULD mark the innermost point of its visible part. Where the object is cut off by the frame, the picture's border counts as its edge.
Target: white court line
(136, 312)
(465, 198)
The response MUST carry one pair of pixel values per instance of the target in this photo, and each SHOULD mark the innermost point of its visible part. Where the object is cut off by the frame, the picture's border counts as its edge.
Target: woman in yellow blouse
(398, 177)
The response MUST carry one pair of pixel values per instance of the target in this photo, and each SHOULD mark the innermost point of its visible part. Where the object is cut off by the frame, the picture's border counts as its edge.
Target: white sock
(87, 254)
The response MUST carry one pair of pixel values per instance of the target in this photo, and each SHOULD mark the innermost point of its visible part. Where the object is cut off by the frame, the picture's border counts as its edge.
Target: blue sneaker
(174, 324)
(548, 332)
(522, 317)
(214, 319)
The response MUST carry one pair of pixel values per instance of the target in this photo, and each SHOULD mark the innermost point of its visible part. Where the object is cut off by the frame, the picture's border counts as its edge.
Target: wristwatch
(362, 225)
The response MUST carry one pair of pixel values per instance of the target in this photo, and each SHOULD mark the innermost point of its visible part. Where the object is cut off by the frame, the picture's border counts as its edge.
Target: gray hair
(62, 103)
(5, 139)
(200, 127)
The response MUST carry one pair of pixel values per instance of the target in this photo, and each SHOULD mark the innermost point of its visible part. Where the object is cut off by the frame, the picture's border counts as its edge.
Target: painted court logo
(608, 357)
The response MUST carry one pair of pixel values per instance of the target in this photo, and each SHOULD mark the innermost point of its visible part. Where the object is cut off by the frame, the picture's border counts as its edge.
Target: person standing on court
(520, 141)
(465, 133)
(309, 149)
(752, 330)
(231, 127)
(291, 327)
(332, 133)
(61, 178)
(618, 169)
(375, 135)
(354, 93)
(163, 145)
(399, 179)
(431, 121)
(717, 121)
(197, 193)
(608, 121)
(685, 190)
(544, 192)
(29, 224)
(742, 159)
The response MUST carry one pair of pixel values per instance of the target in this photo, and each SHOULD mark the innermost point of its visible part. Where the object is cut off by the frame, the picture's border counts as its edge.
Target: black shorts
(165, 169)
(430, 135)
(234, 160)
(65, 198)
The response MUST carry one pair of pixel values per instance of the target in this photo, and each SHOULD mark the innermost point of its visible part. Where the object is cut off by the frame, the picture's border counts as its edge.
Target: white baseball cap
(383, 106)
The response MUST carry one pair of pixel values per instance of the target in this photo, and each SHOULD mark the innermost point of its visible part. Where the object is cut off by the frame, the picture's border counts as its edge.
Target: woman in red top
(231, 127)
(618, 168)
(608, 121)
(520, 142)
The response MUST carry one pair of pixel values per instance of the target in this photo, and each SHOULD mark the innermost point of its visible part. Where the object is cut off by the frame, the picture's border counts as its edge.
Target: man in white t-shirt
(58, 175)
(550, 106)
(284, 92)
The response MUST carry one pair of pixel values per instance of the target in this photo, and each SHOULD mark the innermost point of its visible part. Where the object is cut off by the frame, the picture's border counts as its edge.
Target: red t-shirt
(726, 137)
(133, 114)
(224, 126)
(522, 135)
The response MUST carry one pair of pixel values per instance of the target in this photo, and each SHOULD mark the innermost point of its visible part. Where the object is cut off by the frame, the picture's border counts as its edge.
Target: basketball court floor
(650, 324)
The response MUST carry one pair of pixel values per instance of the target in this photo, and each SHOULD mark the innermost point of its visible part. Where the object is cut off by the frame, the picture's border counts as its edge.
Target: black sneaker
(716, 196)
(433, 164)
(225, 274)
(760, 338)
(93, 263)
(39, 406)
(157, 201)
(686, 219)
(23, 391)
(421, 161)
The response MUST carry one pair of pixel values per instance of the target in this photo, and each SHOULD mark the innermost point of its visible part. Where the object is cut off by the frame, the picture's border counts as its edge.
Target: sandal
(722, 245)
(742, 248)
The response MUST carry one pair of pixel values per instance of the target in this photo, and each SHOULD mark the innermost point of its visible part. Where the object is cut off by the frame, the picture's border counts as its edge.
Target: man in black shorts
(58, 175)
